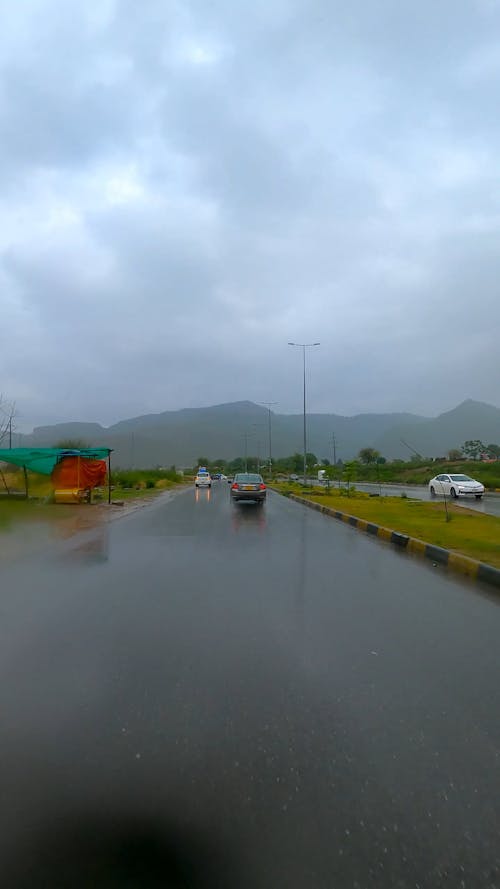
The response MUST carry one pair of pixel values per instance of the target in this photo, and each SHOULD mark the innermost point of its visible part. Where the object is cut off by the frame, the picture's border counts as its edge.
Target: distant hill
(180, 437)
(433, 438)
(48, 435)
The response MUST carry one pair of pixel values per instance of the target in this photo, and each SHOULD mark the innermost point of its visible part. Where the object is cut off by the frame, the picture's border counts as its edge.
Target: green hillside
(180, 437)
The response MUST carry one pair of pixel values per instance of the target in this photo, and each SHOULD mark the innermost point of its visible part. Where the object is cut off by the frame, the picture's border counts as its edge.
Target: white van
(203, 478)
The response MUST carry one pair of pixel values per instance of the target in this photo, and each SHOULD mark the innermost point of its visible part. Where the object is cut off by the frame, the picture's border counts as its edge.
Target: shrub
(139, 478)
(492, 482)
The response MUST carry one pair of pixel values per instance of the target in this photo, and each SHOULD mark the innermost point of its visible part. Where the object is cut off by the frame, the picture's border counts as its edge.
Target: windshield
(248, 477)
(461, 478)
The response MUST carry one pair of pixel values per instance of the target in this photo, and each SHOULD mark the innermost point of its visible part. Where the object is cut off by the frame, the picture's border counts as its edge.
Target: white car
(203, 478)
(456, 485)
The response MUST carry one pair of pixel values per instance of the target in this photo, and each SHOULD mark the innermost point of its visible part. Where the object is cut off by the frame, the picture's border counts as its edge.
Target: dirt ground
(30, 527)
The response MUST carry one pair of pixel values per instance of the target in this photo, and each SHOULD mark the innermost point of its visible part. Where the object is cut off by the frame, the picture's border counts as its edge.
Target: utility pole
(334, 445)
(245, 436)
(257, 426)
(269, 405)
(304, 346)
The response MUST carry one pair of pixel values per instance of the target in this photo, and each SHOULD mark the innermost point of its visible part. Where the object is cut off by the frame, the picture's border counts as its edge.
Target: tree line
(367, 457)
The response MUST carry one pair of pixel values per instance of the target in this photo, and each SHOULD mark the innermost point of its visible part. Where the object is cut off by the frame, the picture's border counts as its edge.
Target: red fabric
(78, 472)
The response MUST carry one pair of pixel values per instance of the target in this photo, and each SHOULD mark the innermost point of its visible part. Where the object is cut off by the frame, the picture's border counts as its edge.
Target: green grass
(20, 520)
(132, 493)
(38, 485)
(421, 473)
(469, 532)
(14, 510)
(144, 478)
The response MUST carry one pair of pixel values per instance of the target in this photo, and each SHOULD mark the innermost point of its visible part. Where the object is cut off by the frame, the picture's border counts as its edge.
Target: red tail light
(234, 487)
(262, 487)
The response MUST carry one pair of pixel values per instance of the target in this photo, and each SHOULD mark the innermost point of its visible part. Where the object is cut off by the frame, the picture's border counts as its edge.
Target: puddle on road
(29, 527)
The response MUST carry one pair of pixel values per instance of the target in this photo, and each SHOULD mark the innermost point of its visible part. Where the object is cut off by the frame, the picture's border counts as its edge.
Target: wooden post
(5, 483)
(25, 481)
(109, 477)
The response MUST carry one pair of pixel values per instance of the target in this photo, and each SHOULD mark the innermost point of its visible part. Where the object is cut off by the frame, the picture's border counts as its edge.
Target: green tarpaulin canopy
(44, 459)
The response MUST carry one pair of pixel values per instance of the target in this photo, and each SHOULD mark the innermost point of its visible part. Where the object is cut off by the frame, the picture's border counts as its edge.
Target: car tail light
(262, 487)
(234, 487)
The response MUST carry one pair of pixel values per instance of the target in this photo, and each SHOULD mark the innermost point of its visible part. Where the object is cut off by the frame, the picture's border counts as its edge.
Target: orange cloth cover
(77, 472)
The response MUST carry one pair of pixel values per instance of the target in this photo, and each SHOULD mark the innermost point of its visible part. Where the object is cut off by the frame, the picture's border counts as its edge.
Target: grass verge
(469, 532)
(134, 493)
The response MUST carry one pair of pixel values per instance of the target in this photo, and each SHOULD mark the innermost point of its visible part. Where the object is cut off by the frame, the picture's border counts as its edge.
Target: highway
(489, 504)
(213, 695)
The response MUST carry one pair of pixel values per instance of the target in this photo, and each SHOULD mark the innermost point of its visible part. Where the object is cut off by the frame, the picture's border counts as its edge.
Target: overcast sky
(186, 186)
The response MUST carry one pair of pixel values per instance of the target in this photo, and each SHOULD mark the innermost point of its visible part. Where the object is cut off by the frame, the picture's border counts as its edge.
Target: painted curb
(449, 558)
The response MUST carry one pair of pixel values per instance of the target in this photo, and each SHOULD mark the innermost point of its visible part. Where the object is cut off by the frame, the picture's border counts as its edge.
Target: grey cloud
(187, 186)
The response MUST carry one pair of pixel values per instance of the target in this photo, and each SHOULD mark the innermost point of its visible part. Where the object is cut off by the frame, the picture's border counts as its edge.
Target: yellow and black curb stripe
(450, 559)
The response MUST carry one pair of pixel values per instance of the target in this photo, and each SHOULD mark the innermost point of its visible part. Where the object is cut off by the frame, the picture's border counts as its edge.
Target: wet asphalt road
(489, 503)
(205, 695)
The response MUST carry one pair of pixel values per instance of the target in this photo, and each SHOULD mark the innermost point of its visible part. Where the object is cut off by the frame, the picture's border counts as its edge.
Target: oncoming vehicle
(248, 486)
(456, 485)
(203, 478)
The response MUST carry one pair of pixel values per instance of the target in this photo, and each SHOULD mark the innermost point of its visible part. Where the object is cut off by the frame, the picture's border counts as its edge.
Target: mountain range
(180, 437)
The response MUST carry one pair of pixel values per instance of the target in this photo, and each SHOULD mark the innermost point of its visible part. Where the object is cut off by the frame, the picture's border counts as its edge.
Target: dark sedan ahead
(248, 486)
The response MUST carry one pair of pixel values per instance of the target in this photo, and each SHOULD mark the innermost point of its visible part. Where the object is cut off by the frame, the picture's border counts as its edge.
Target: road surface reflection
(247, 516)
(203, 494)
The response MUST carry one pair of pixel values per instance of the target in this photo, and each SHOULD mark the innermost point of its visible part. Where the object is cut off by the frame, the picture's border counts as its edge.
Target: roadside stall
(74, 472)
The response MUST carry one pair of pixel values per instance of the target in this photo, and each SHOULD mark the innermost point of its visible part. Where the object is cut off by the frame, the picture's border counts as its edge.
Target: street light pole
(245, 436)
(258, 426)
(304, 346)
(269, 404)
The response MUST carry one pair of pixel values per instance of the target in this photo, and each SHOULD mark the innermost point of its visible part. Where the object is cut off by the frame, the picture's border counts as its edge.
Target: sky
(185, 187)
